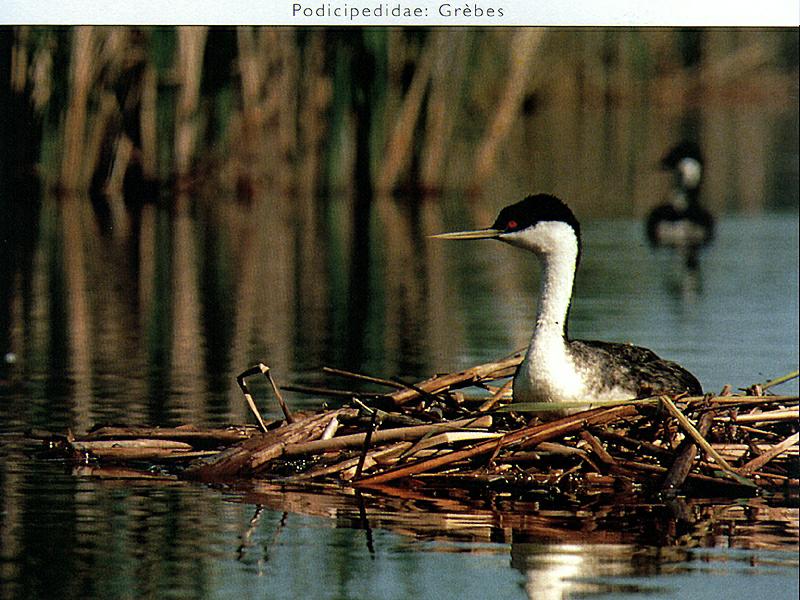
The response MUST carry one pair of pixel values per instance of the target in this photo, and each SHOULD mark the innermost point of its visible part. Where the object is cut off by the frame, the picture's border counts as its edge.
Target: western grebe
(681, 223)
(555, 368)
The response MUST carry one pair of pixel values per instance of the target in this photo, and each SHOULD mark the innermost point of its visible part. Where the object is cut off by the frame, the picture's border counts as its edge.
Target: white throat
(691, 171)
(556, 245)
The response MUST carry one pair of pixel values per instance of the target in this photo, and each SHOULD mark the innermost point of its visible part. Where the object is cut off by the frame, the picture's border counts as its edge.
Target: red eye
(511, 225)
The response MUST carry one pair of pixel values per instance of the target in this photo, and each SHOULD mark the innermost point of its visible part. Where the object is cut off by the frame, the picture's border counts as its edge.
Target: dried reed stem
(249, 397)
(687, 453)
(284, 407)
(779, 380)
(491, 370)
(80, 83)
(525, 437)
(250, 456)
(496, 397)
(386, 435)
(702, 442)
(265, 371)
(398, 149)
(764, 417)
(597, 446)
(774, 452)
(191, 45)
(369, 378)
(523, 48)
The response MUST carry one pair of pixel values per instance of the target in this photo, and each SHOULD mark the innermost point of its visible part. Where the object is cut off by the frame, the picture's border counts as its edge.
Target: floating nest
(461, 430)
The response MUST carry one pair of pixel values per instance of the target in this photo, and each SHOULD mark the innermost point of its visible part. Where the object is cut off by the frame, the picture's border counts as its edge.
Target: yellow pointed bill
(476, 234)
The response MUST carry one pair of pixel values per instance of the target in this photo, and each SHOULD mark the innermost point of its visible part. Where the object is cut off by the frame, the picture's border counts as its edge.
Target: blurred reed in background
(114, 110)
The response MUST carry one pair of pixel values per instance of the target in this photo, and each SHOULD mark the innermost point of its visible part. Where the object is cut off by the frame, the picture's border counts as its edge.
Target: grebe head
(686, 161)
(540, 223)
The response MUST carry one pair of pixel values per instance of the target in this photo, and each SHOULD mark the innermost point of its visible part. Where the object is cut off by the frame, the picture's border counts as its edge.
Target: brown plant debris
(437, 433)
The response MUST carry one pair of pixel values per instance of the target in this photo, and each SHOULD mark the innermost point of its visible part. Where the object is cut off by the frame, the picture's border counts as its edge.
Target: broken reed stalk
(264, 370)
(137, 449)
(486, 371)
(692, 431)
(284, 407)
(343, 468)
(451, 437)
(779, 380)
(375, 422)
(597, 447)
(703, 443)
(360, 377)
(764, 417)
(744, 400)
(496, 397)
(774, 452)
(330, 429)
(248, 458)
(249, 397)
(170, 433)
(386, 435)
(687, 453)
(139, 443)
(146, 453)
(737, 451)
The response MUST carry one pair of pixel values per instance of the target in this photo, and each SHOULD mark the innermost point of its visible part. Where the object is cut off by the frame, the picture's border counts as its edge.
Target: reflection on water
(85, 537)
(608, 571)
(650, 550)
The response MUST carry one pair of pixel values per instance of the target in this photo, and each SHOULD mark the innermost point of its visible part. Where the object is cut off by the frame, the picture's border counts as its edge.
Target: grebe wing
(633, 367)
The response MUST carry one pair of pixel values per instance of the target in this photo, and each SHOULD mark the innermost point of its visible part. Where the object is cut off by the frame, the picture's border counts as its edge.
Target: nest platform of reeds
(433, 434)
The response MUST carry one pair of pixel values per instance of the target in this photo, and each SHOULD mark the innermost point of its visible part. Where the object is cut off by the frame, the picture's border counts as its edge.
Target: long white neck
(548, 373)
(556, 245)
(558, 276)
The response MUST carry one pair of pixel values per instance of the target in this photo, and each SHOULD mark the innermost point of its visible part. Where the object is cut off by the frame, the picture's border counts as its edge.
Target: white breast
(548, 374)
(680, 233)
